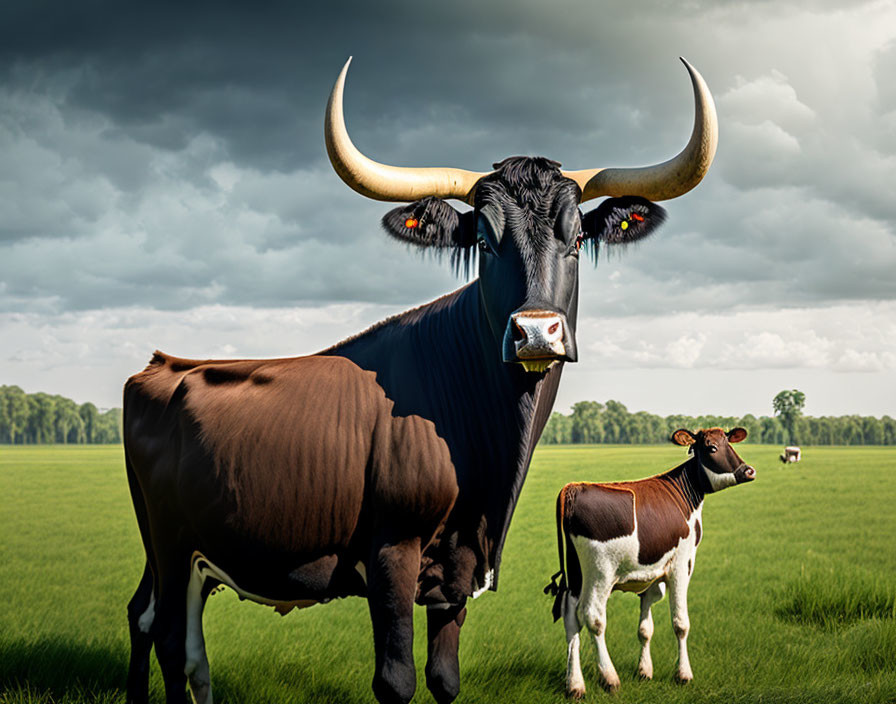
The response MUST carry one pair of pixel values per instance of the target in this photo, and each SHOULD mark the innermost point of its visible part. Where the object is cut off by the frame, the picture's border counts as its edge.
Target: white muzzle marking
(542, 335)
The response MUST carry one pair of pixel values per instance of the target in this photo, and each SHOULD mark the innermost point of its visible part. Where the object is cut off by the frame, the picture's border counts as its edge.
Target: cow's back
(290, 454)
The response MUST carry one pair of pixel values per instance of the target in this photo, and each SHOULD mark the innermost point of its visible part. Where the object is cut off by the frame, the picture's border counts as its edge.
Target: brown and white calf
(642, 537)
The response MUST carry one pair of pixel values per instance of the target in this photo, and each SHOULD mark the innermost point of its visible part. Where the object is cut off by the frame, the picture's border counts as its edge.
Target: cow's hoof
(394, 685)
(610, 685)
(444, 688)
(576, 693)
(683, 677)
(644, 674)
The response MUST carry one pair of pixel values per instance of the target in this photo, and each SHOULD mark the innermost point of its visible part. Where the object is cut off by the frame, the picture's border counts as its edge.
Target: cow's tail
(559, 588)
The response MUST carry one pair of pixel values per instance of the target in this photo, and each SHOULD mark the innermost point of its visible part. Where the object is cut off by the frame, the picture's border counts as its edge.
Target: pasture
(793, 597)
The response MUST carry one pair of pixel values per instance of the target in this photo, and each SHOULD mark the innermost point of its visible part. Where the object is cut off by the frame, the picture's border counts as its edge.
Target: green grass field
(793, 598)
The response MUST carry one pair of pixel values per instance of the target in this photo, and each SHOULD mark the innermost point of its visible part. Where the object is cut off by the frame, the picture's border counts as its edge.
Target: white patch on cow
(208, 569)
(438, 607)
(613, 564)
(361, 570)
(719, 481)
(144, 623)
(489, 580)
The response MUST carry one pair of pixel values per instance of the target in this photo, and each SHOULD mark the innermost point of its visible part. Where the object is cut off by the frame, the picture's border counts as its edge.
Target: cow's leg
(594, 610)
(575, 682)
(169, 628)
(196, 665)
(391, 586)
(645, 628)
(678, 604)
(141, 612)
(442, 669)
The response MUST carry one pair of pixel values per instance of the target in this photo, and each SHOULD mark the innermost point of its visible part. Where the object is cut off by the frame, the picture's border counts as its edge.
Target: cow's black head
(525, 223)
(528, 233)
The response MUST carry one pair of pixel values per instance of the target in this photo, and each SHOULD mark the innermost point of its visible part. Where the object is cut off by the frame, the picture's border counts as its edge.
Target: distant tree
(41, 416)
(872, 431)
(558, 430)
(108, 427)
(615, 421)
(587, 424)
(89, 416)
(17, 410)
(788, 407)
(67, 422)
(889, 426)
(753, 427)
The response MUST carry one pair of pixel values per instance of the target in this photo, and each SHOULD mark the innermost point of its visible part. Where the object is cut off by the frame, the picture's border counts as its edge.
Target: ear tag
(411, 223)
(579, 241)
(624, 224)
(637, 217)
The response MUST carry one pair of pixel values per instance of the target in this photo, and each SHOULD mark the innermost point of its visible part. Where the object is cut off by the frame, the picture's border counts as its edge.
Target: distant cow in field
(791, 454)
(640, 537)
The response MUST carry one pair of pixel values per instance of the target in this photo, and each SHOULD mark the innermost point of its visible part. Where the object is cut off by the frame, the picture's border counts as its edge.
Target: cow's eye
(712, 449)
(483, 246)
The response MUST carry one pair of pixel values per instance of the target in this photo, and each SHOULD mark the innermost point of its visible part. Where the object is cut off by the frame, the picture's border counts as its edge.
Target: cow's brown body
(659, 506)
(303, 499)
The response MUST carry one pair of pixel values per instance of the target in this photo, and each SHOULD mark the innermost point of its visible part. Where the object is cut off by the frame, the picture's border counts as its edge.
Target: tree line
(28, 419)
(593, 422)
(44, 418)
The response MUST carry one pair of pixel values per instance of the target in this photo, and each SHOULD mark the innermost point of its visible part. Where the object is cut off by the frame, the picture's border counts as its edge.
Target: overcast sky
(164, 184)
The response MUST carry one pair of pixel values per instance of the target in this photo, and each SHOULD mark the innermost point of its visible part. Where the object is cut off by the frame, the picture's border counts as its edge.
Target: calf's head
(719, 465)
(525, 226)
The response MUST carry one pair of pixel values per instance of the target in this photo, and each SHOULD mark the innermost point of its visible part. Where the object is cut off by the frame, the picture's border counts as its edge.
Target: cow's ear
(737, 434)
(683, 437)
(622, 220)
(431, 222)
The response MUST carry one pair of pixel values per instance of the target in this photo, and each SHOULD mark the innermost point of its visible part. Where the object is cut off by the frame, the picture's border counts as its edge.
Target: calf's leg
(391, 586)
(442, 668)
(645, 628)
(575, 682)
(678, 603)
(594, 610)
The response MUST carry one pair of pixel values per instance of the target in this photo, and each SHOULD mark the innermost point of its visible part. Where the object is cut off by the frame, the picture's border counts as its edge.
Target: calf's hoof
(683, 678)
(611, 685)
(576, 693)
(645, 674)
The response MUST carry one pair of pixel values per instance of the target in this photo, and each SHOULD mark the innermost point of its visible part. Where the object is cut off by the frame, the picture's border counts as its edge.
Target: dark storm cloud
(171, 154)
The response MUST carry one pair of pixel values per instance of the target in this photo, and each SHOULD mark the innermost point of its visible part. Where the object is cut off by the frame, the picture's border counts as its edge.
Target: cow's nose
(537, 334)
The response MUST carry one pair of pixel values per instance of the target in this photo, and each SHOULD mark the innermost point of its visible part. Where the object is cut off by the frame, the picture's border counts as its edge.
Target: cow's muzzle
(744, 473)
(538, 339)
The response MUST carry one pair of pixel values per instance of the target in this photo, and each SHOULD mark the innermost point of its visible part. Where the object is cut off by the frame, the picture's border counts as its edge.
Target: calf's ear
(736, 434)
(622, 220)
(431, 222)
(683, 437)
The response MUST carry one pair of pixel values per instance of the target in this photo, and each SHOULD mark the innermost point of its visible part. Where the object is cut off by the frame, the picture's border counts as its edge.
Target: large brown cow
(389, 465)
(637, 537)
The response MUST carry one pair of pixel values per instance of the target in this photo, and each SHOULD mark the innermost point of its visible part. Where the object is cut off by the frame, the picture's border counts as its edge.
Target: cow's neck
(442, 362)
(685, 482)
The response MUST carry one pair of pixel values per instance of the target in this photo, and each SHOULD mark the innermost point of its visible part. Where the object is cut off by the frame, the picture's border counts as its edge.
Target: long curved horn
(383, 182)
(671, 178)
